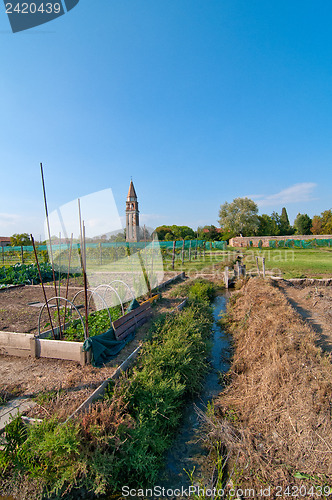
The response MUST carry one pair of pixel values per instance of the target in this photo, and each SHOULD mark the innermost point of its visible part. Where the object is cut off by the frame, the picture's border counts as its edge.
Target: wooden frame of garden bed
(26, 344)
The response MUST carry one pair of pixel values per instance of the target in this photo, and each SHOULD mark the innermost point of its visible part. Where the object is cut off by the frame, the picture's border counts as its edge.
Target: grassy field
(292, 262)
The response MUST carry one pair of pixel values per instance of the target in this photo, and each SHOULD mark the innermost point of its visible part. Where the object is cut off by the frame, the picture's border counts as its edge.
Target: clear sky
(200, 101)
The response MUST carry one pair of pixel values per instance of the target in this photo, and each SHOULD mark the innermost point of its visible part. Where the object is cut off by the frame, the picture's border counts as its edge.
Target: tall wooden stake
(83, 262)
(67, 284)
(51, 251)
(173, 255)
(42, 284)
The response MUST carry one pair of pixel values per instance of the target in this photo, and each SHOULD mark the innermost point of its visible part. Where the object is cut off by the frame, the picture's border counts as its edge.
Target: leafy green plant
(99, 322)
(27, 274)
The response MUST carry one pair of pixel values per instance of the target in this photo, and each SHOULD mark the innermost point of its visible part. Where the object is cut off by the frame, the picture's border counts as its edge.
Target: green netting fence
(291, 243)
(103, 252)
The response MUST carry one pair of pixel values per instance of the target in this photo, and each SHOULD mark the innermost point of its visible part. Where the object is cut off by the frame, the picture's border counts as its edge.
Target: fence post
(196, 250)
(173, 255)
(22, 255)
(204, 244)
(182, 252)
(3, 255)
(263, 267)
(259, 274)
(190, 251)
(226, 276)
(100, 254)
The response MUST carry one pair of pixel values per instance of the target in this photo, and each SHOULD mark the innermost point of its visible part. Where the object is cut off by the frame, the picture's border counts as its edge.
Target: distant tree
(317, 224)
(208, 233)
(119, 237)
(239, 216)
(177, 232)
(285, 227)
(180, 232)
(22, 239)
(327, 222)
(303, 224)
(169, 237)
(265, 225)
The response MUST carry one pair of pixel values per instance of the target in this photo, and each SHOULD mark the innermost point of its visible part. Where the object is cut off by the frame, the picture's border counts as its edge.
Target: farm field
(292, 262)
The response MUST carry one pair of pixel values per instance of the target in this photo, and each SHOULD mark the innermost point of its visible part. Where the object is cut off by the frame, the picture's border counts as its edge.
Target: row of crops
(27, 274)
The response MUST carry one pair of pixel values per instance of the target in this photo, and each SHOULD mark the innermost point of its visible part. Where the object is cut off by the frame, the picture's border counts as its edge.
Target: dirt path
(315, 305)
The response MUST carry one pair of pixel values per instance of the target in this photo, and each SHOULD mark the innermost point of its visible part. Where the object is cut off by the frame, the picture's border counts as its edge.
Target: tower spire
(132, 215)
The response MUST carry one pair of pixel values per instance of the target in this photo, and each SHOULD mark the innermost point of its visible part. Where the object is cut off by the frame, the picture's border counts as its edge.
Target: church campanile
(132, 215)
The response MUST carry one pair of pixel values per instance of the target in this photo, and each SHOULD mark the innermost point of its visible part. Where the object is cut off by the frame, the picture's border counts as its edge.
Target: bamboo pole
(67, 284)
(51, 251)
(182, 252)
(263, 267)
(42, 284)
(83, 269)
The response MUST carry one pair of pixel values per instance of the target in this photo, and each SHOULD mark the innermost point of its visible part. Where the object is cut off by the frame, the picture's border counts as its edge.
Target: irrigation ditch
(187, 457)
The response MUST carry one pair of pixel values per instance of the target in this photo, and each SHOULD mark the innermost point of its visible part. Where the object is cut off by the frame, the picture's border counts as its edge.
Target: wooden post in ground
(263, 267)
(100, 255)
(237, 270)
(196, 250)
(3, 254)
(190, 251)
(259, 274)
(22, 258)
(204, 244)
(182, 252)
(173, 255)
(226, 276)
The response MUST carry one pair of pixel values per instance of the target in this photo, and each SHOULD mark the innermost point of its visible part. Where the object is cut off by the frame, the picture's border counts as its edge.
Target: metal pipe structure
(57, 299)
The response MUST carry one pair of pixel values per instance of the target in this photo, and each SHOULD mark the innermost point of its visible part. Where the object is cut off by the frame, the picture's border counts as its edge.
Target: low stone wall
(243, 241)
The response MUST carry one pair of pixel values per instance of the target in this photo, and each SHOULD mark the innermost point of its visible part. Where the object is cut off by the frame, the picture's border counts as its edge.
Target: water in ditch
(187, 451)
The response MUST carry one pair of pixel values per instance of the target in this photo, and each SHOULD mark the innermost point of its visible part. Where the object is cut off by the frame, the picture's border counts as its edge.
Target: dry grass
(274, 419)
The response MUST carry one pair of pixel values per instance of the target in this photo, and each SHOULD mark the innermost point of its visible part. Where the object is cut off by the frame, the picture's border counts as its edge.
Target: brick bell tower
(132, 215)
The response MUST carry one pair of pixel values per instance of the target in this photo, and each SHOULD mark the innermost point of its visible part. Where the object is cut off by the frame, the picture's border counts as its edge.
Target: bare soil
(58, 386)
(16, 315)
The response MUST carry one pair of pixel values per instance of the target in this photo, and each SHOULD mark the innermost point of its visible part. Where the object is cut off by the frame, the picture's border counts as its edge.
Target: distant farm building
(4, 241)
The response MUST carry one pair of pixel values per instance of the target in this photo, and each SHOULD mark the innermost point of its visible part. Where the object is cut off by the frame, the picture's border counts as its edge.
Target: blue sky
(201, 101)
